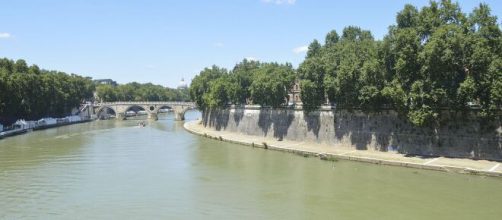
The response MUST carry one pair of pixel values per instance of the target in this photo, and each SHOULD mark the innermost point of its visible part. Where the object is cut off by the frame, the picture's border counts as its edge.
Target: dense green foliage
(140, 92)
(31, 93)
(432, 60)
(271, 83)
(346, 70)
(266, 84)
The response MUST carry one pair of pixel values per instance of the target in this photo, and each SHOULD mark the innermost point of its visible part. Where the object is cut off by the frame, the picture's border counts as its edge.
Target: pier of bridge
(151, 108)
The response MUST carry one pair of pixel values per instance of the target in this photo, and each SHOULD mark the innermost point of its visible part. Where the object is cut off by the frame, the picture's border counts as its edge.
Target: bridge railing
(146, 103)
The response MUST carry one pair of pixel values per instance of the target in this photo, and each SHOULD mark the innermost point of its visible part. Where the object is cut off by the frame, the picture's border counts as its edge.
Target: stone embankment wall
(458, 136)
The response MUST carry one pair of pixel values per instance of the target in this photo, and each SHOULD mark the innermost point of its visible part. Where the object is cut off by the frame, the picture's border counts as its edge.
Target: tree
(200, 84)
(31, 93)
(314, 49)
(439, 58)
(310, 95)
(353, 76)
(241, 79)
(107, 93)
(20, 66)
(217, 96)
(495, 71)
(353, 33)
(34, 69)
(433, 59)
(408, 17)
(311, 74)
(141, 92)
(271, 84)
(331, 38)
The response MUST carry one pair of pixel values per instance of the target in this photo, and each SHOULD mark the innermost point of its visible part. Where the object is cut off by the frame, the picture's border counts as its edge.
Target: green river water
(116, 170)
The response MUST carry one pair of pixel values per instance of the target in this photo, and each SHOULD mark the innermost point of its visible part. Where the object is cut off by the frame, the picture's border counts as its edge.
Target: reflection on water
(116, 169)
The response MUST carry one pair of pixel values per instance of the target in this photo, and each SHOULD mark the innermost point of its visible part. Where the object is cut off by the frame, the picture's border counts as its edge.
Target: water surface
(116, 170)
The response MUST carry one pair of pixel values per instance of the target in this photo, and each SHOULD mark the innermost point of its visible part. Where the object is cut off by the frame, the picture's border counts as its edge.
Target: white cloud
(5, 35)
(280, 2)
(218, 44)
(301, 49)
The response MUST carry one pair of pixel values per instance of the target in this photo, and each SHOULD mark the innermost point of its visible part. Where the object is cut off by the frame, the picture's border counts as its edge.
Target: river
(116, 170)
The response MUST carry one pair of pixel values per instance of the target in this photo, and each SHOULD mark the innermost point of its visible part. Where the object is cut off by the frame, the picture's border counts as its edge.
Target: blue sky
(162, 41)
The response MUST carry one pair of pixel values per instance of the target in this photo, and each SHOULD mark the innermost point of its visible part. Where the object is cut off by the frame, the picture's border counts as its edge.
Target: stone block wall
(458, 136)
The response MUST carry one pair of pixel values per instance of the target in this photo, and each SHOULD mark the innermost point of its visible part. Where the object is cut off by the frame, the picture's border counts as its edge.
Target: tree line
(31, 93)
(140, 92)
(266, 84)
(433, 59)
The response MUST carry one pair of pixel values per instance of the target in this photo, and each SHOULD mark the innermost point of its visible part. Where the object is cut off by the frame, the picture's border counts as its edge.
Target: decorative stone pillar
(121, 116)
(153, 116)
(179, 116)
(179, 113)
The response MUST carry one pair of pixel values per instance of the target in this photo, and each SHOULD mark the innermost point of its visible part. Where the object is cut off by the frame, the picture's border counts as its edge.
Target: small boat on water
(141, 124)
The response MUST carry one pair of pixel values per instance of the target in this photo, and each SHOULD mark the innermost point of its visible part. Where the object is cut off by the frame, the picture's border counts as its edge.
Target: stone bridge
(151, 108)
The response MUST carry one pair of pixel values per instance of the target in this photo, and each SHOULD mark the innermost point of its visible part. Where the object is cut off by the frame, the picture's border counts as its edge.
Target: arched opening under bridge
(106, 113)
(136, 111)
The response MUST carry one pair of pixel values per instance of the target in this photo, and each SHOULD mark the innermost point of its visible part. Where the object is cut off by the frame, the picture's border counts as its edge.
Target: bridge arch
(104, 111)
(179, 110)
(161, 107)
(157, 108)
(136, 109)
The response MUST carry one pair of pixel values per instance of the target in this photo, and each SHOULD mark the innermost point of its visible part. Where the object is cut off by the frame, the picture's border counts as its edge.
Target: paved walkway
(329, 152)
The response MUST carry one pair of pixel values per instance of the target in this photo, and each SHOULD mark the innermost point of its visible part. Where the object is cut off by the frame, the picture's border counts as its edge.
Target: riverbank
(335, 152)
(19, 131)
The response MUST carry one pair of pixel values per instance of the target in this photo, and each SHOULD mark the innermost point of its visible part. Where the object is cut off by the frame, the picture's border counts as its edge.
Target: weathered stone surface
(458, 136)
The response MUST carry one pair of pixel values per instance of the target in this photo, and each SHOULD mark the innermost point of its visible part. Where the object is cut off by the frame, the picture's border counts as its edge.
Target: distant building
(182, 84)
(105, 82)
